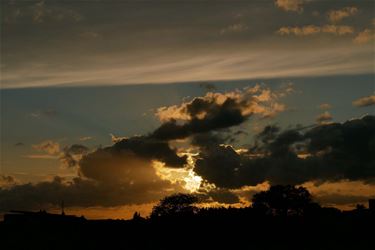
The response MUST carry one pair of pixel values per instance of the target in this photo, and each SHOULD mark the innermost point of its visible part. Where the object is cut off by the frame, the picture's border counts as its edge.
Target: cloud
(222, 196)
(7, 181)
(338, 15)
(139, 149)
(325, 117)
(365, 101)
(364, 36)
(234, 28)
(42, 156)
(313, 30)
(337, 29)
(290, 5)
(115, 139)
(40, 13)
(331, 152)
(130, 163)
(325, 106)
(216, 111)
(299, 31)
(343, 194)
(71, 155)
(48, 146)
(49, 113)
(80, 192)
(343, 199)
(211, 66)
(85, 138)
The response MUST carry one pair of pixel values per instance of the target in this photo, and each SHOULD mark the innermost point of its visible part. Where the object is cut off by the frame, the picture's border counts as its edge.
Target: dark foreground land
(209, 229)
(283, 217)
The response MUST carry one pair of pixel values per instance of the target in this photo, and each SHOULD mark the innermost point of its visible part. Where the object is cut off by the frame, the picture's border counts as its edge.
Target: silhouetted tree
(283, 200)
(177, 204)
(137, 216)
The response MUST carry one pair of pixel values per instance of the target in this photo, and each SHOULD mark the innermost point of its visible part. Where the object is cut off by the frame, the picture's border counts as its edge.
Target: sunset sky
(111, 105)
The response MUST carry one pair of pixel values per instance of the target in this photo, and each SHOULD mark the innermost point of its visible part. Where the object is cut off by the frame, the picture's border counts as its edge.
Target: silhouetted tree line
(283, 217)
(279, 200)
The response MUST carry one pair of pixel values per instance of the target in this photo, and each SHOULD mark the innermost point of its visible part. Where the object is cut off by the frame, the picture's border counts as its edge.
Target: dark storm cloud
(324, 153)
(78, 192)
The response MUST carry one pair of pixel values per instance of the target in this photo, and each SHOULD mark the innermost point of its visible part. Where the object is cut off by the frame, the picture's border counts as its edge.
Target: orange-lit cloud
(313, 29)
(257, 100)
(324, 118)
(365, 36)
(338, 15)
(290, 5)
(325, 106)
(365, 101)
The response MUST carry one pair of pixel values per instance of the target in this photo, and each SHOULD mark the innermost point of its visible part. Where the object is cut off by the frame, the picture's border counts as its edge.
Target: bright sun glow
(186, 176)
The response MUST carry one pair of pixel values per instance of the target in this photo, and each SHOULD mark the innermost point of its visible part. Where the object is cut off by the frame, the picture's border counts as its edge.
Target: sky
(111, 105)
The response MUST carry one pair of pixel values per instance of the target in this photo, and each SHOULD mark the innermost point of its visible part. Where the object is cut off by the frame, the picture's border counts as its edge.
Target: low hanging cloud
(338, 30)
(291, 5)
(328, 152)
(365, 101)
(337, 15)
